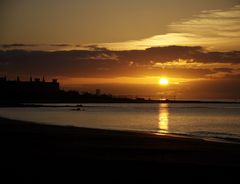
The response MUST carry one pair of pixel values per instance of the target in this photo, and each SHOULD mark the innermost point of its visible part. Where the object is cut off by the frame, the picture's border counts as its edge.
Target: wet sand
(36, 153)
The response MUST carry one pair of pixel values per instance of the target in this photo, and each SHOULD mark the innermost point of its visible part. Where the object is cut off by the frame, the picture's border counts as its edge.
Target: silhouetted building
(15, 92)
(98, 92)
(35, 86)
(17, 89)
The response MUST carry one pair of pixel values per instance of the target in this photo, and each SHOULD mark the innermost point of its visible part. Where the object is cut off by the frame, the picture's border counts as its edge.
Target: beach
(35, 153)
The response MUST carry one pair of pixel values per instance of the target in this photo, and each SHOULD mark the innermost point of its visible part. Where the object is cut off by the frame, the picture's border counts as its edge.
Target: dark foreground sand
(35, 153)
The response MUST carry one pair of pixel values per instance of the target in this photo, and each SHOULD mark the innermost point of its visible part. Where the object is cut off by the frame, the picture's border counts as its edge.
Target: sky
(125, 47)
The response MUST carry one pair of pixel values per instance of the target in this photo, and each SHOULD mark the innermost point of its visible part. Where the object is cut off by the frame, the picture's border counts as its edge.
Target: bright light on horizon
(163, 81)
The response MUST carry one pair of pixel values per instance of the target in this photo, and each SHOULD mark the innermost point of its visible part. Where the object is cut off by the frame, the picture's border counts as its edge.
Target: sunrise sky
(125, 47)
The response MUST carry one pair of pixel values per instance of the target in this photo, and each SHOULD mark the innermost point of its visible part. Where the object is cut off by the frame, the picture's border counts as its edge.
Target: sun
(163, 81)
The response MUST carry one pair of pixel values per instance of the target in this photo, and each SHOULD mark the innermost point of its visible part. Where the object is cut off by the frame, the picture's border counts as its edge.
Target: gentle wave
(205, 135)
(216, 136)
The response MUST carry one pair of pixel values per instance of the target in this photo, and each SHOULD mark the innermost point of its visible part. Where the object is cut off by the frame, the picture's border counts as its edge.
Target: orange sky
(125, 47)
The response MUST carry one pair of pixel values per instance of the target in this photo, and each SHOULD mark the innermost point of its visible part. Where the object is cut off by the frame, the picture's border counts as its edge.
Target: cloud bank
(175, 61)
(201, 73)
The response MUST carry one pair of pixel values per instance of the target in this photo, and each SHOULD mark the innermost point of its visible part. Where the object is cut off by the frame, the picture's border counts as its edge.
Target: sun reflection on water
(163, 118)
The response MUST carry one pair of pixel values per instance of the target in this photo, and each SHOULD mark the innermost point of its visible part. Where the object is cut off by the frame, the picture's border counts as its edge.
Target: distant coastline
(77, 103)
(27, 93)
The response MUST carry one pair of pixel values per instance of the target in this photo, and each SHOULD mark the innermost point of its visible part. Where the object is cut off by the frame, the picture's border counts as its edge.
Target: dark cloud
(35, 46)
(78, 45)
(61, 45)
(165, 54)
(229, 70)
(100, 62)
(16, 45)
(96, 48)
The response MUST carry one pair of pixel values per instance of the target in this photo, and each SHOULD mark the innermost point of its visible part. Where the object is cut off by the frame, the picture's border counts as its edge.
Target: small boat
(77, 109)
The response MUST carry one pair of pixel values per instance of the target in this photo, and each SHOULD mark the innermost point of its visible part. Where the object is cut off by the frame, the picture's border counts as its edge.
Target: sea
(210, 121)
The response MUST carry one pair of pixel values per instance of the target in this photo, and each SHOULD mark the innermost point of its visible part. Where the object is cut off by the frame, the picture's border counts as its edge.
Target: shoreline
(150, 134)
(101, 130)
(131, 101)
(37, 151)
(226, 140)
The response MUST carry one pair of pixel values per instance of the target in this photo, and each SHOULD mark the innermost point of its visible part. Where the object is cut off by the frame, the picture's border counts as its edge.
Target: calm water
(211, 121)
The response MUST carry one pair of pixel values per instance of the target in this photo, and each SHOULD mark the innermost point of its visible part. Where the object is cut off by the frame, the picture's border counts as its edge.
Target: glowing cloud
(214, 29)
